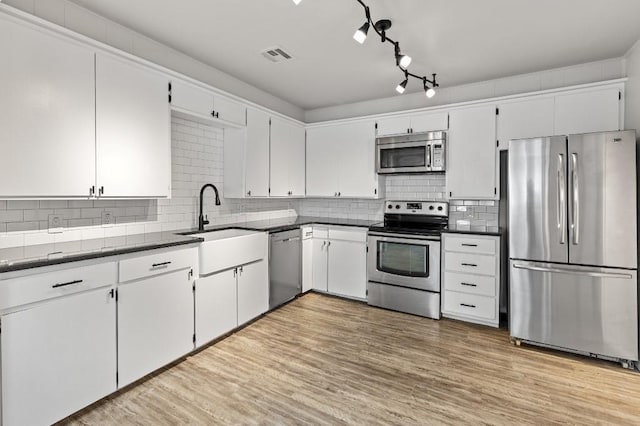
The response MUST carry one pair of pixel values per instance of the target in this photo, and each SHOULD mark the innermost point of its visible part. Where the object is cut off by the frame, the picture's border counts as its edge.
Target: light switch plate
(56, 226)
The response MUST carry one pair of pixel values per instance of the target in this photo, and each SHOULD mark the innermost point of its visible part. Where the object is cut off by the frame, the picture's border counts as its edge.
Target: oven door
(403, 157)
(404, 261)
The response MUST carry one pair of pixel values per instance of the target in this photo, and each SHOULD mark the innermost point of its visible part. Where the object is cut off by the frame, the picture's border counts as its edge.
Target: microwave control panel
(437, 162)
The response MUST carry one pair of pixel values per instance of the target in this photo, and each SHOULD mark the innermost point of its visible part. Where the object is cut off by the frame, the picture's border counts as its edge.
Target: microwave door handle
(429, 165)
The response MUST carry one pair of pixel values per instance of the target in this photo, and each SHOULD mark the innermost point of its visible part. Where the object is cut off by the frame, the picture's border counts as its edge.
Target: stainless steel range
(403, 260)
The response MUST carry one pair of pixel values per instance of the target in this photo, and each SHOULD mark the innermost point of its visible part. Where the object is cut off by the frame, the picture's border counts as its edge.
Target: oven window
(392, 158)
(410, 260)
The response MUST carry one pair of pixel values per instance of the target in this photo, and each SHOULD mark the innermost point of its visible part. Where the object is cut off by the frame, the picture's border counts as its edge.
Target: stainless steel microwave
(412, 153)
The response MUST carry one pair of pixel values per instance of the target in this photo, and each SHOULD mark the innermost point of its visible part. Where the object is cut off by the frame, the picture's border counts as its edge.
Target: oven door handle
(384, 236)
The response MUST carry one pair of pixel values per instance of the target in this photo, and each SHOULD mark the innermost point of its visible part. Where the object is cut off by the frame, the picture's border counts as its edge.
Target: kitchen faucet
(203, 220)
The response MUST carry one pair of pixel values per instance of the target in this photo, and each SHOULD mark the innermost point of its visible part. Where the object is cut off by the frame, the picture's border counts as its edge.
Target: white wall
(632, 90)
(550, 79)
(80, 20)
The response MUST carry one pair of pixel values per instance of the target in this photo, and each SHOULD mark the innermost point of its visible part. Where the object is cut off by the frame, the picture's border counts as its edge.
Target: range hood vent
(277, 54)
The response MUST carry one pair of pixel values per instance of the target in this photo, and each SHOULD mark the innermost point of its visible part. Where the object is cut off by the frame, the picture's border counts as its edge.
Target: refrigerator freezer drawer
(590, 310)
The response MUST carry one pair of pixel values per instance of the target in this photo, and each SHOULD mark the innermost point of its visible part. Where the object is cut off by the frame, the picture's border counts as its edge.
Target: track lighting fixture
(297, 2)
(429, 91)
(361, 35)
(402, 86)
(402, 61)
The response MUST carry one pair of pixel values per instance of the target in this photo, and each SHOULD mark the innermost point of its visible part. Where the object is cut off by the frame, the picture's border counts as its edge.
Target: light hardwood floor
(323, 360)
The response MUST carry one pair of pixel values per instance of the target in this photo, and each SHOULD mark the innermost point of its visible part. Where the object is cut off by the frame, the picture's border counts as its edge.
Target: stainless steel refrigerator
(573, 244)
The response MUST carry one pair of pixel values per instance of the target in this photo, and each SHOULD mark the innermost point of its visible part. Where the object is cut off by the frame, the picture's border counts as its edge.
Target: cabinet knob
(249, 193)
(101, 190)
(339, 194)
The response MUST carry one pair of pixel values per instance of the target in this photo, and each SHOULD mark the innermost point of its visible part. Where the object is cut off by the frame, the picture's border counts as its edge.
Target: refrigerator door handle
(575, 220)
(561, 215)
(573, 271)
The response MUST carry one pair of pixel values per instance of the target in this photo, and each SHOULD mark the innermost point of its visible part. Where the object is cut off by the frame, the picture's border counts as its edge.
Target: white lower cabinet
(228, 299)
(59, 354)
(216, 306)
(155, 324)
(347, 268)
(339, 263)
(471, 278)
(253, 291)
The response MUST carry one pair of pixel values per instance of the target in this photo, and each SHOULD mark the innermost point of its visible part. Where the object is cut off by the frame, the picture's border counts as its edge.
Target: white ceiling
(464, 41)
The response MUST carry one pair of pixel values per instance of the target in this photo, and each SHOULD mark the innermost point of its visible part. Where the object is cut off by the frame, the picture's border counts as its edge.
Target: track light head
(404, 61)
(430, 92)
(361, 34)
(297, 2)
(402, 86)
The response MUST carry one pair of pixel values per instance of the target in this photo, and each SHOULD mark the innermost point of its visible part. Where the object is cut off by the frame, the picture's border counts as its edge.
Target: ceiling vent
(277, 54)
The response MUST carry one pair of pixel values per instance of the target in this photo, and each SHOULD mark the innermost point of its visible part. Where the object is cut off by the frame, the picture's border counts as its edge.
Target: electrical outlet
(55, 224)
(108, 218)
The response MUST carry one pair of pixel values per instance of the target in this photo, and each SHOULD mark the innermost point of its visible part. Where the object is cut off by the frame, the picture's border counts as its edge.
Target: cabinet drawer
(470, 263)
(159, 262)
(470, 305)
(322, 233)
(348, 235)
(467, 283)
(34, 288)
(470, 244)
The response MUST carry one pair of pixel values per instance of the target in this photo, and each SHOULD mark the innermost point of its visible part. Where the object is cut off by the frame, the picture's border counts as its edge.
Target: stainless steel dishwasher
(284, 267)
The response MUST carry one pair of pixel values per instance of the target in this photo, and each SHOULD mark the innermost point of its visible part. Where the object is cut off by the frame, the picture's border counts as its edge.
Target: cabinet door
(133, 144)
(191, 98)
(471, 165)
(323, 168)
(216, 306)
(47, 114)
(287, 158)
(319, 264)
(347, 274)
(257, 154)
(357, 151)
(307, 264)
(58, 357)
(394, 125)
(429, 122)
(597, 111)
(155, 324)
(229, 110)
(253, 291)
(525, 119)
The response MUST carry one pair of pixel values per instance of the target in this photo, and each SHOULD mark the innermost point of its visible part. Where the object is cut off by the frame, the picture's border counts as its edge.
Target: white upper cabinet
(257, 154)
(187, 98)
(341, 161)
(47, 114)
(323, 167)
(357, 159)
(133, 122)
(429, 122)
(525, 119)
(230, 111)
(191, 99)
(471, 164)
(287, 159)
(416, 123)
(589, 111)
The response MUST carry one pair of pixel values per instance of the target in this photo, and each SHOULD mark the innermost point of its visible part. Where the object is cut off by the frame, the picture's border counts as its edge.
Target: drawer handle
(66, 284)
(467, 305)
(469, 284)
(159, 265)
(469, 264)
(469, 245)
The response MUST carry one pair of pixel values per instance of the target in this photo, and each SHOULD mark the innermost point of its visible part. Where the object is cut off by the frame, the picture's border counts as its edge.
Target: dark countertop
(493, 232)
(285, 224)
(35, 256)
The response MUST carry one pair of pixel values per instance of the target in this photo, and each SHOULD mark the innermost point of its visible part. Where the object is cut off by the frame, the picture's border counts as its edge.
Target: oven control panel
(427, 208)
